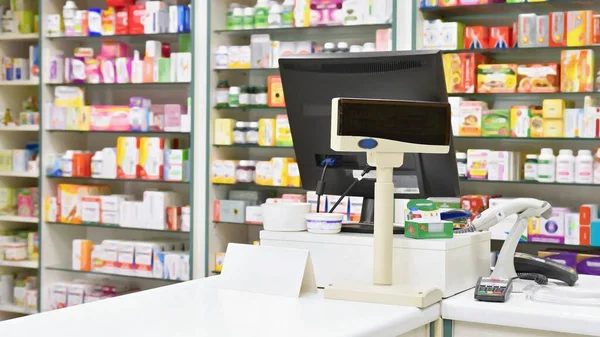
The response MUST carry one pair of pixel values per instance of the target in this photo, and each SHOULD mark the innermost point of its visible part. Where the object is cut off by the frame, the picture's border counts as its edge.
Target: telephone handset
(529, 264)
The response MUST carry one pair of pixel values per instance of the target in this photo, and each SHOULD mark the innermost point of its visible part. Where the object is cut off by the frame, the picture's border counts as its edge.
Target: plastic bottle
(137, 68)
(221, 57)
(261, 14)
(531, 167)
(329, 47)
(244, 96)
(229, 20)
(546, 166)
(248, 20)
(369, 47)
(66, 164)
(565, 167)
(239, 132)
(69, 10)
(222, 94)
(252, 133)
(234, 97)
(355, 48)
(97, 165)
(274, 19)
(584, 167)
(237, 19)
(342, 47)
(287, 13)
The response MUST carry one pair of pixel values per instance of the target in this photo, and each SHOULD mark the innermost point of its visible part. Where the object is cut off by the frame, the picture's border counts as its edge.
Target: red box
(136, 18)
(475, 203)
(461, 71)
(596, 29)
(119, 3)
(558, 29)
(477, 37)
(121, 25)
(501, 37)
(585, 236)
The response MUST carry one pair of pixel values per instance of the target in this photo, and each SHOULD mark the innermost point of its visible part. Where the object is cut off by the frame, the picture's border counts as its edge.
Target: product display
(19, 246)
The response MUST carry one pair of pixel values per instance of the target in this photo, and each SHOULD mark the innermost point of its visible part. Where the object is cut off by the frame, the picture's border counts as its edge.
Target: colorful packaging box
(527, 30)
(568, 259)
(501, 37)
(538, 78)
(448, 3)
(596, 30)
(496, 78)
(536, 125)
(588, 264)
(477, 164)
(558, 29)
(542, 31)
(470, 116)
(577, 70)
(283, 133)
(520, 121)
(460, 71)
(495, 123)
(572, 229)
(151, 157)
(127, 157)
(477, 37)
(475, 203)
(580, 28)
(275, 92)
(552, 230)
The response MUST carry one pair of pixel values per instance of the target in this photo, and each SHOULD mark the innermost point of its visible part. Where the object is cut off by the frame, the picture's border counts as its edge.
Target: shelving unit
(563, 195)
(12, 95)
(56, 238)
(220, 233)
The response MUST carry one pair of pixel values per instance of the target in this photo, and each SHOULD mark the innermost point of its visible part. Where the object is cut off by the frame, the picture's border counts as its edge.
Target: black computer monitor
(310, 82)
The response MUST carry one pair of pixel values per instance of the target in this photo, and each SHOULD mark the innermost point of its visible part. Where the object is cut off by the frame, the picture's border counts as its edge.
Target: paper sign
(268, 270)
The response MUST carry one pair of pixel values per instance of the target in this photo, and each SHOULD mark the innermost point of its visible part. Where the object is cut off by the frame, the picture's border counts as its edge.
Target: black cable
(321, 186)
(538, 278)
(365, 171)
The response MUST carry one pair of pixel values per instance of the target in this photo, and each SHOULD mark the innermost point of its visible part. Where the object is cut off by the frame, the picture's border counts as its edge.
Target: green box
(495, 123)
(164, 70)
(429, 230)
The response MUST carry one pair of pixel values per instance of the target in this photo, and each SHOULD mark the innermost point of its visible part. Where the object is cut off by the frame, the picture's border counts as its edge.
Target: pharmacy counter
(517, 317)
(198, 308)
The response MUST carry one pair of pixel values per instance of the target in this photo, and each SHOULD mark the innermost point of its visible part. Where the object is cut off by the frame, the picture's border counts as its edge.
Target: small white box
(58, 295)
(98, 258)
(184, 67)
(572, 229)
(155, 205)
(573, 118)
(111, 255)
(144, 255)
(113, 202)
(254, 214)
(173, 19)
(126, 258)
(158, 264)
(90, 210)
(109, 218)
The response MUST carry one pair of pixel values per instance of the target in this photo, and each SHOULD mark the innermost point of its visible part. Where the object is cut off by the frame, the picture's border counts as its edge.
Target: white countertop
(198, 308)
(521, 313)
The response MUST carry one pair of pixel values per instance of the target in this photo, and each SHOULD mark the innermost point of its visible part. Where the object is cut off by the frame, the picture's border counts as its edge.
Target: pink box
(114, 49)
(107, 70)
(172, 117)
(92, 70)
(109, 118)
(157, 117)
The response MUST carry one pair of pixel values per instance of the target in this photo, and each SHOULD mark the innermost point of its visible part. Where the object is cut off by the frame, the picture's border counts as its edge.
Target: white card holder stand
(268, 270)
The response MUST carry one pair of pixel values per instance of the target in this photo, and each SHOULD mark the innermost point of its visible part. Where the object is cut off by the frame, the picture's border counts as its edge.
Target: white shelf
(19, 264)
(18, 37)
(15, 218)
(30, 128)
(19, 83)
(20, 174)
(15, 309)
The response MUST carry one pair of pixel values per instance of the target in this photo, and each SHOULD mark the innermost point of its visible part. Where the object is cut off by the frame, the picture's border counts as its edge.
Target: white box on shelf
(184, 67)
(111, 255)
(144, 255)
(126, 258)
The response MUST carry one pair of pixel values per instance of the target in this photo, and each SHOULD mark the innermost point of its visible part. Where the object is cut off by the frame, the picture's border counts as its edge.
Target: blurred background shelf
(20, 128)
(20, 174)
(19, 37)
(109, 227)
(19, 264)
(500, 9)
(121, 180)
(71, 270)
(15, 309)
(15, 218)
(337, 30)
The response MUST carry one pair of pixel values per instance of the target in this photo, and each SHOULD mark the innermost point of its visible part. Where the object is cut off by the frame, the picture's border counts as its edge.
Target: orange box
(596, 29)
(515, 34)
(501, 37)
(477, 37)
(538, 78)
(577, 72)
(275, 92)
(585, 236)
(587, 213)
(461, 72)
(448, 3)
(558, 29)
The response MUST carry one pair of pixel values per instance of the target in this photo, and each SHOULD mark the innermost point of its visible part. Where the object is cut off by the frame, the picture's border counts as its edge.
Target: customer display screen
(405, 121)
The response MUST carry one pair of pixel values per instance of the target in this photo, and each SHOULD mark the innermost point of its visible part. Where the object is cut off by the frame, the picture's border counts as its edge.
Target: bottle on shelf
(530, 171)
(546, 166)
(261, 14)
(342, 47)
(229, 17)
(237, 19)
(274, 18)
(69, 10)
(329, 48)
(461, 164)
(584, 167)
(565, 166)
(287, 13)
(248, 19)
(234, 96)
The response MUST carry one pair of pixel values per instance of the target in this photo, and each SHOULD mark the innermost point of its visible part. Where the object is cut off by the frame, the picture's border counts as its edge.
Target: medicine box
(579, 28)
(572, 229)
(558, 29)
(576, 72)
(232, 211)
(552, 230)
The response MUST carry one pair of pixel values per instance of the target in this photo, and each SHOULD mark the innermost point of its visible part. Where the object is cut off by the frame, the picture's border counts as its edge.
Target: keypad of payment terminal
(493, 289)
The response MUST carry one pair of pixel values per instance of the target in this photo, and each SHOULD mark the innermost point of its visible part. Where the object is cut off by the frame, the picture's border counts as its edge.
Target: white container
(66, 164)
(69, 10)
(453, 265)
(97, 165)
(274, 18)
(546, 167)
(285, 217)
(324, 223)
(7, 284)
(584, 167)
(565, 166)
(221, 57)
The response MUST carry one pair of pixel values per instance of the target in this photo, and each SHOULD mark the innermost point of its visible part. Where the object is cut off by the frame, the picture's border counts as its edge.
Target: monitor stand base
(384, 294)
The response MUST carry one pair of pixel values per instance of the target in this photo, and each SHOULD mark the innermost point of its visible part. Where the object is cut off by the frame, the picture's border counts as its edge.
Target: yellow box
(554, 108)
(577, 70)
(50, 209)
(6, 157)
(8, 201)
(84, 118)
(294, 175)
(219, 259)
(280, 170)
(229, 168)
(127, 157)
(580, 27)
(266, 132)
(69, 199)
(224, 131)
(553, 128)
(534, 226)
(283, 133)
(264, 173)
(216, 174)
(68, 97)
(536, 126)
